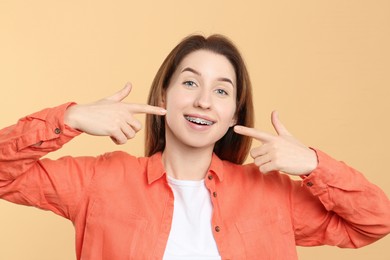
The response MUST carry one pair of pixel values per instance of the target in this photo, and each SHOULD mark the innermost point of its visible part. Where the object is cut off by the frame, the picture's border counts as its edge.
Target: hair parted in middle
(231, 147)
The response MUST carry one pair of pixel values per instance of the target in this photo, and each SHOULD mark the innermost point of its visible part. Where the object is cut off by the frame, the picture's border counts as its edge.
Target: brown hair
(232, 147)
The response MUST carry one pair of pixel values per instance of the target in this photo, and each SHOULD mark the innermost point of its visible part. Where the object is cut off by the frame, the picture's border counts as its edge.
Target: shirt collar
(156, 168)
(216, 166)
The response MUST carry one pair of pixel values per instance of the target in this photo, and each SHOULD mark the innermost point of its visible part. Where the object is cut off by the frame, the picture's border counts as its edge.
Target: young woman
(190, 197)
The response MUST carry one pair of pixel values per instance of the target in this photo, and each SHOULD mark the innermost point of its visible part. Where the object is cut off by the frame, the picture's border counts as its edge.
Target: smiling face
(156, 126)
(200, 100)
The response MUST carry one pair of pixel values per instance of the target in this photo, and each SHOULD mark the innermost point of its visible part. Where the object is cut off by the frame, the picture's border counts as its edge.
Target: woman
(190, 197)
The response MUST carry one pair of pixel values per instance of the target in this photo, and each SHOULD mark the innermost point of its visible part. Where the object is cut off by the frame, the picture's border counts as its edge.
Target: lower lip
(198, 127)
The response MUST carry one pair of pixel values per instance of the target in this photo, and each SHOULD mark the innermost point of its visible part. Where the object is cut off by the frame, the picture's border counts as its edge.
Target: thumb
(278, 126)
(121, 94)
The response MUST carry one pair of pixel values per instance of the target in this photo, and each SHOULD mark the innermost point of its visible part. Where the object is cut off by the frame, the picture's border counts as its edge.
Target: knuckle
(136, 129)
(113, 130)
(118, 140)
(257, 162)
(137, 125)
(263, 169)
(131, 134)
(121, 140)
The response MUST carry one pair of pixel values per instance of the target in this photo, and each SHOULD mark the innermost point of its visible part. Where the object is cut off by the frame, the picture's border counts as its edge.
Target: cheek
(170, 102)
(227, 114)
(177, 100)
(175, 105)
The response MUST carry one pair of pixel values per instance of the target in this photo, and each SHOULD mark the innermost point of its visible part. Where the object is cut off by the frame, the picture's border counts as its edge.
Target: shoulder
(117, 170)
(119, 163)
(122, 158)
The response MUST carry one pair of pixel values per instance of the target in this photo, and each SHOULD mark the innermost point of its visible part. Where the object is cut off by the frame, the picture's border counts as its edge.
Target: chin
(197, 145)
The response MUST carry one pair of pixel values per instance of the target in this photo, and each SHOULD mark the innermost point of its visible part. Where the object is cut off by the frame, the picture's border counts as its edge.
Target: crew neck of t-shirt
(191, 183)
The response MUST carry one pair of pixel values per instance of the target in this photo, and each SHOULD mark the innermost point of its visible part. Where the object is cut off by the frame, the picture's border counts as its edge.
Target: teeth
(200, 121)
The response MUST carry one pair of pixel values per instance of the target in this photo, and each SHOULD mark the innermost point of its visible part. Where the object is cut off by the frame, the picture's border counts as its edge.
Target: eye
(222, 92)
(189, 83)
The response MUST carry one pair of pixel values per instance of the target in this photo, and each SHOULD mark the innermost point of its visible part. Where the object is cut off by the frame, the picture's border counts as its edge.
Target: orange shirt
(122, 206)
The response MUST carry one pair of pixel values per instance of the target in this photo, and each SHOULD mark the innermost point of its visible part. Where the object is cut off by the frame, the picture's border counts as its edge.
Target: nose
(203, 99)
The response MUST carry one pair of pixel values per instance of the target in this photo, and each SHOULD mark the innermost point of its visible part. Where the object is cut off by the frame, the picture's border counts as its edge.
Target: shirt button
(309, 184)
(57, 130)
(217, 229)
(215, 194)
(210, 177)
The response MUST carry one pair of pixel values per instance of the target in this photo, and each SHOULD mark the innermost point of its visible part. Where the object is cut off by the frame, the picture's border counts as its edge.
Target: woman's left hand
(281, 152)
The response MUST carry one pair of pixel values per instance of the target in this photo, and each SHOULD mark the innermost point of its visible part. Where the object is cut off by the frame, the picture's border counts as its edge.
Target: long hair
(232, 147)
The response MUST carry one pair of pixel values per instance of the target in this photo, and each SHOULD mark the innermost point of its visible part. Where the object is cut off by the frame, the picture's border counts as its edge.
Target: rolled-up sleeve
(26, 179)
(22, 144)
(347, 210)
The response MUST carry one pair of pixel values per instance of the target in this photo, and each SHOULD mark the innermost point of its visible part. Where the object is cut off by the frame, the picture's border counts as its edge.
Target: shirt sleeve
(347, 210)
(22, 144)
(26, 179)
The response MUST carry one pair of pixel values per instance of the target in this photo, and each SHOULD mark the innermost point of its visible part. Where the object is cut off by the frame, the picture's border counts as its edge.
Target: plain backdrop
(324, 65)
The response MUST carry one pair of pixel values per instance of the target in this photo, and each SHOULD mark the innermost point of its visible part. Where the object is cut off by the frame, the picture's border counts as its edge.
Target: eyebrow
(200, 74)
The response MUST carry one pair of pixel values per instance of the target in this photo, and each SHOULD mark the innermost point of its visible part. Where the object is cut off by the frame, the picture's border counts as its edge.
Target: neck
(186, 163)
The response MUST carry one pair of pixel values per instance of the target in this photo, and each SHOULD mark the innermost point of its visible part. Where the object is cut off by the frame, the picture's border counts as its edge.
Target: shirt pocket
(111, 233)
(267, 238)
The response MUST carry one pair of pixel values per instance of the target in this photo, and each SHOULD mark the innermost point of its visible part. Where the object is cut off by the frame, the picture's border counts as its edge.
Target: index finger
(252, 132)
(147, 109)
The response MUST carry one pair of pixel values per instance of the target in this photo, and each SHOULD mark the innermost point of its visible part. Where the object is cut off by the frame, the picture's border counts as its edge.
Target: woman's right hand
(110, 116)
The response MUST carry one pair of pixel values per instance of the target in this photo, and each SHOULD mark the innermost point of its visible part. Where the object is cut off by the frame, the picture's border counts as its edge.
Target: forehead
(208, 63)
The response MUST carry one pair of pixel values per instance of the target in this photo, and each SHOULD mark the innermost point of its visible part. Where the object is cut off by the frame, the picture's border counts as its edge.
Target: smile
(199, 121)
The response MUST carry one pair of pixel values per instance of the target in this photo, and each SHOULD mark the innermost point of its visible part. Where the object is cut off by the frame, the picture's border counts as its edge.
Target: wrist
(314, 161)
(70, 116)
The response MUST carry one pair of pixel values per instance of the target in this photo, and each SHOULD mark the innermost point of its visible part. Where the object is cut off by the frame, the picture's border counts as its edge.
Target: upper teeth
(198, 120)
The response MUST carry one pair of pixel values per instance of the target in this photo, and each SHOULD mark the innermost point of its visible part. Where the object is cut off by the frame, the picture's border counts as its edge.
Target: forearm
(355, 212)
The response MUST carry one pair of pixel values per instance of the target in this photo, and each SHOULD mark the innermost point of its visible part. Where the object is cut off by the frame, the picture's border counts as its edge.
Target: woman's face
(200, 100)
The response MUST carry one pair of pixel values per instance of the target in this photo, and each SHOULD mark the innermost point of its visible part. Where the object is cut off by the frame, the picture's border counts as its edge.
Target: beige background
(324, 65)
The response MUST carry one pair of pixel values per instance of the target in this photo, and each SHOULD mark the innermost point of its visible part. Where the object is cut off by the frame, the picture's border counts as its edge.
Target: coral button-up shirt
(122, 206)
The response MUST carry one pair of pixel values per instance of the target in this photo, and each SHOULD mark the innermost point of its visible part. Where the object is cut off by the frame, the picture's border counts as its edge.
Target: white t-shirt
(191, 234)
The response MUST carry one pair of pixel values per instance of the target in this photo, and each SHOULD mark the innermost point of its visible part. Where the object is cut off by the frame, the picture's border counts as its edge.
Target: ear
(233, 122)
(162, 102)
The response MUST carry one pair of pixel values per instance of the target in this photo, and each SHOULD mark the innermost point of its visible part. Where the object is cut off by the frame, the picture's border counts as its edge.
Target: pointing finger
(252, 132)
(147, 109)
